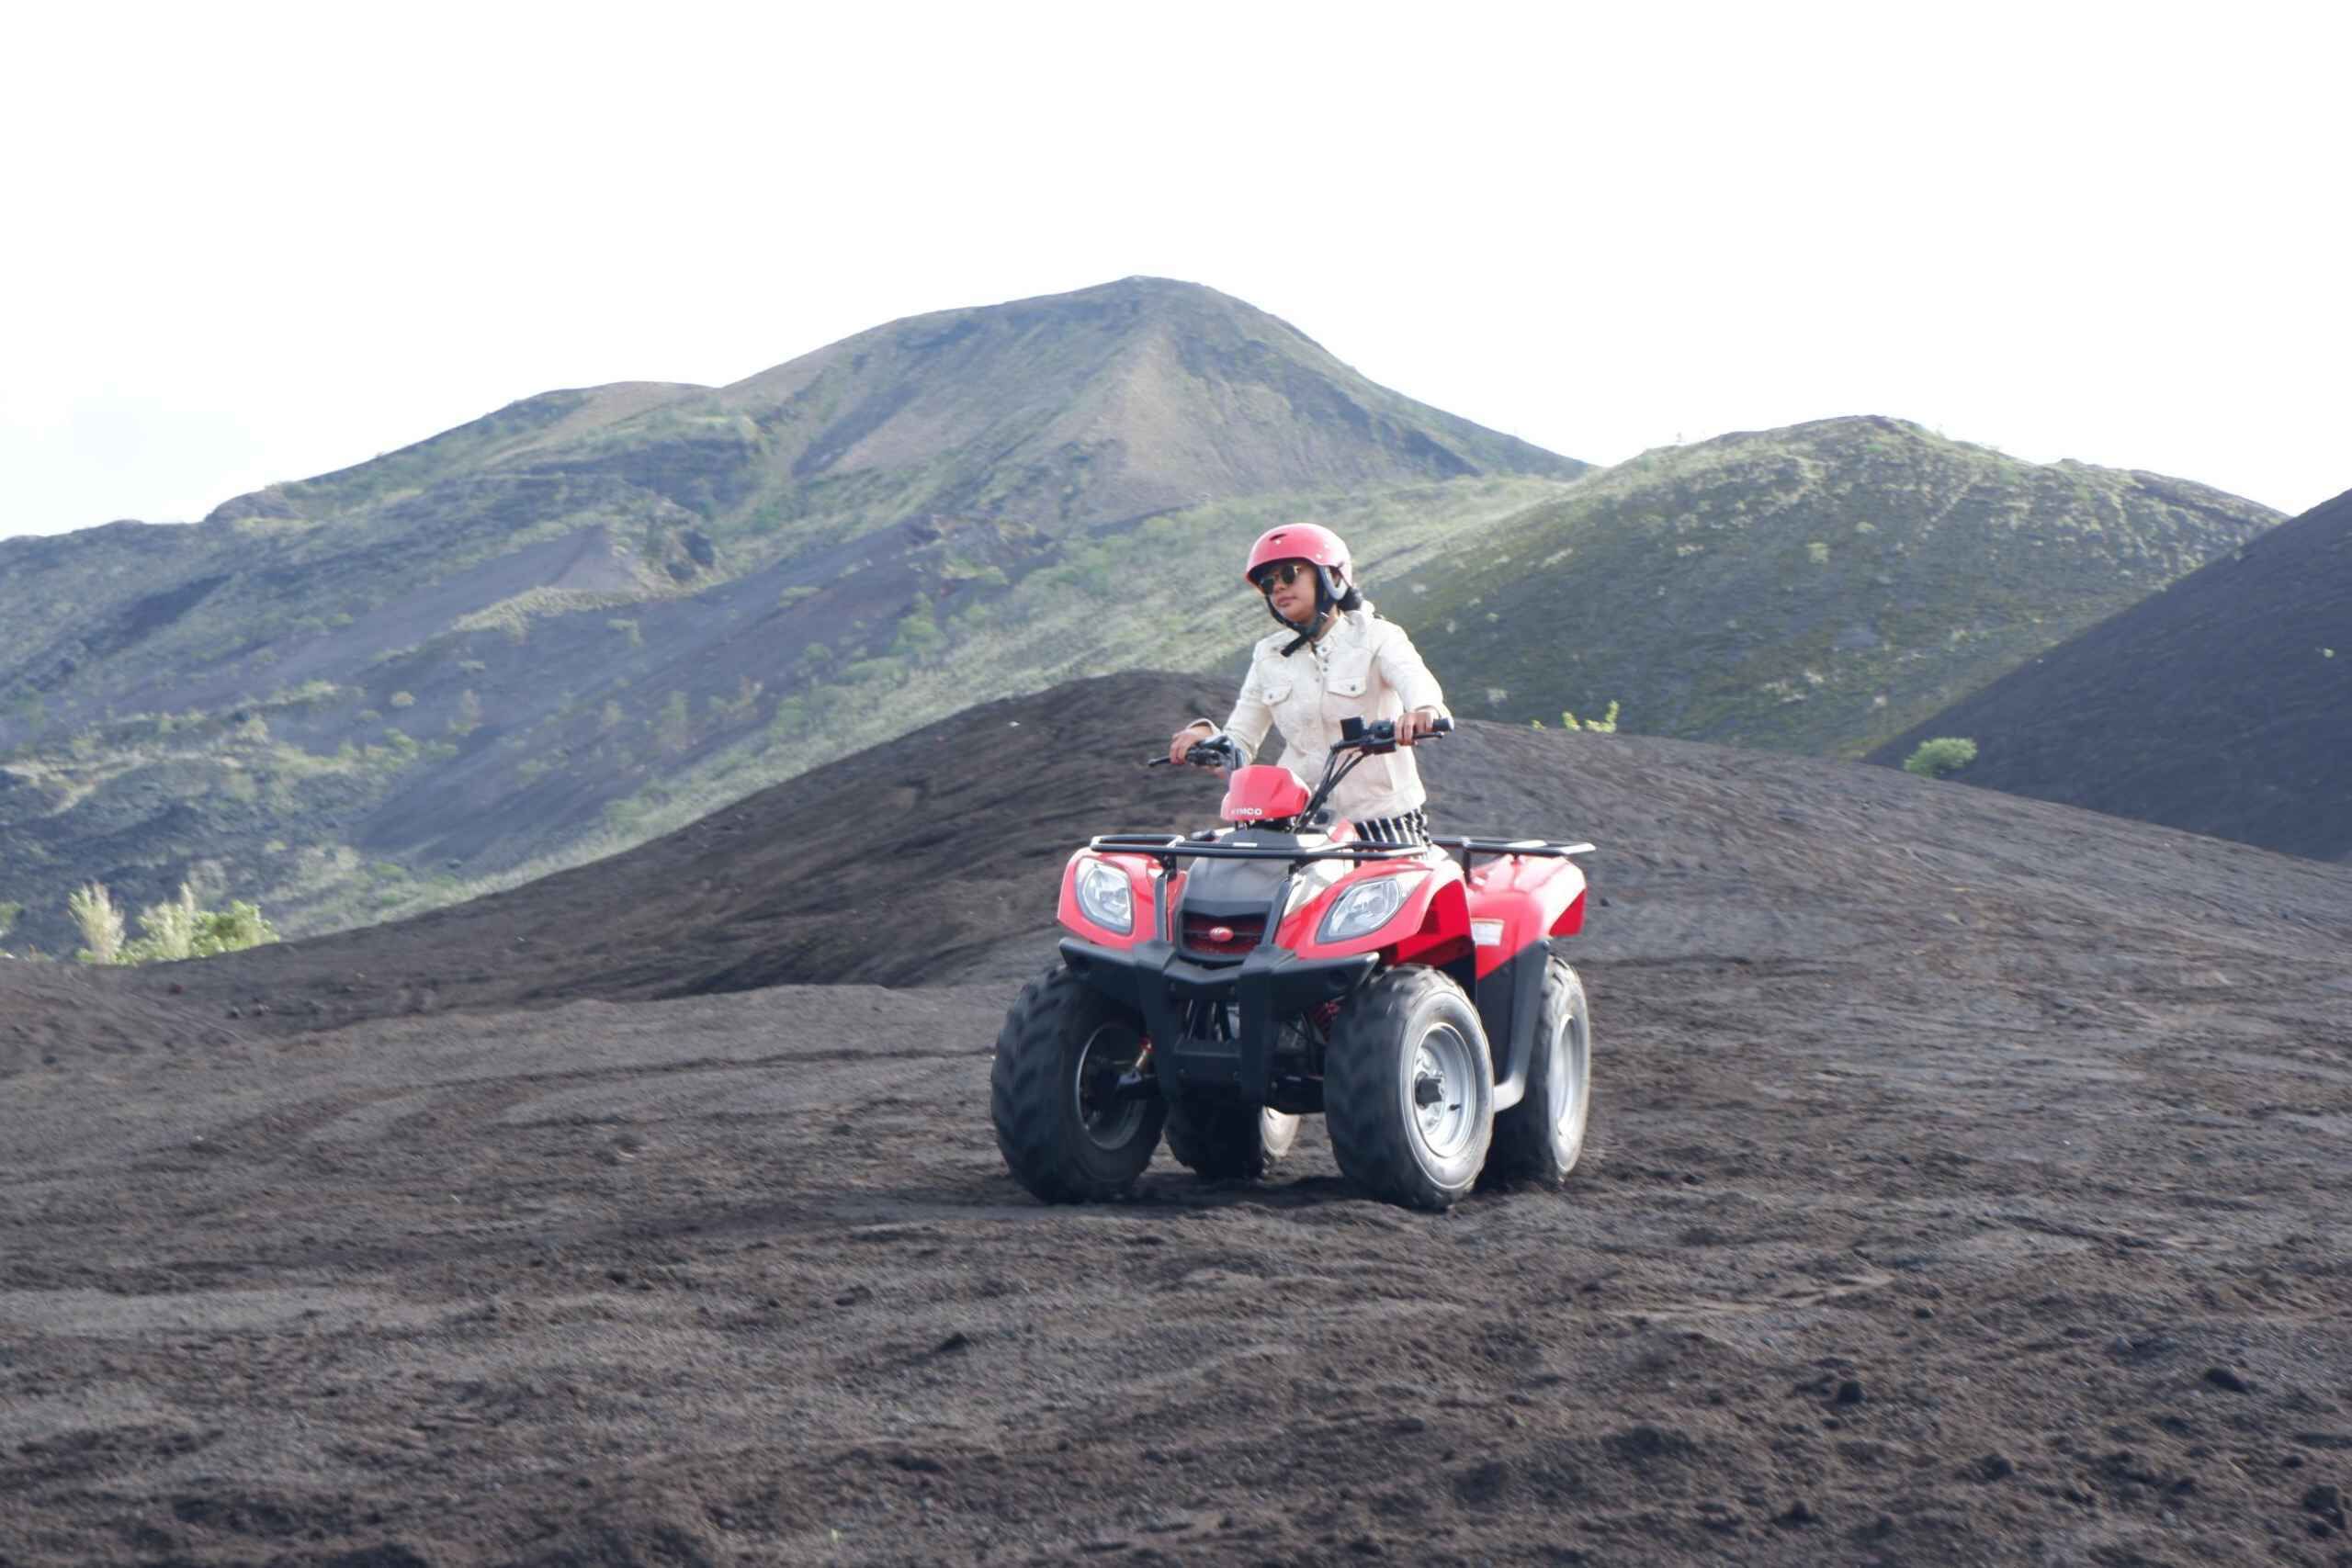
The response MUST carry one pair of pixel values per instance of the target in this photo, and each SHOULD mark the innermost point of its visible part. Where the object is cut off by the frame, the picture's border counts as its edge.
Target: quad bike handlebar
(1375, 739)
(1220, 753)
(1358, 740)
(1355, 737)
(1378, 736)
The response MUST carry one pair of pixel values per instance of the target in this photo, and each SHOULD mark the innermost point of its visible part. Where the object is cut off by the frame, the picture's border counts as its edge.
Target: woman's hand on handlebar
(1416, 725)
(1184, 739)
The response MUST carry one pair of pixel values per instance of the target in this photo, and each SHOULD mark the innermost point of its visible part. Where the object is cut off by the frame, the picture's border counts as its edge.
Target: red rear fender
(1571, 919)
(1516, 901)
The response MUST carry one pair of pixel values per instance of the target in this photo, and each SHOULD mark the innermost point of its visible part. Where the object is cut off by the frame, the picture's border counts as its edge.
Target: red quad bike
(1221, 985)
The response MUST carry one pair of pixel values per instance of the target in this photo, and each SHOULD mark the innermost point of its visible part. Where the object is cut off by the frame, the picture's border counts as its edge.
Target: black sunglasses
(1284, 572)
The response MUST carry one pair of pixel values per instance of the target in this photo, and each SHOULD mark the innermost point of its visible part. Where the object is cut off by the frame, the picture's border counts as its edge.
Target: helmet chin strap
(1327, 599)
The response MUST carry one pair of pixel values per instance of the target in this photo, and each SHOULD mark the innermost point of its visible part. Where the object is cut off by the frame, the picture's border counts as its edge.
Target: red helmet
(1297, 541)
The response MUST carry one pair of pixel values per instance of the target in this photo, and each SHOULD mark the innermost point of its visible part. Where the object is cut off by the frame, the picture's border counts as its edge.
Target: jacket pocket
(1349, 682)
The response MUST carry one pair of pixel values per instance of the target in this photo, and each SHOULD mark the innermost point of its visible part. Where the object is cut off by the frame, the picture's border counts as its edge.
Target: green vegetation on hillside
(1945, 754)
(222, 790)
(171, 931)
(1605, 725)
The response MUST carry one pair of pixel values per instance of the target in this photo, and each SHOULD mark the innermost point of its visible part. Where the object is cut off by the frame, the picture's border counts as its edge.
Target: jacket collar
(1353, 628)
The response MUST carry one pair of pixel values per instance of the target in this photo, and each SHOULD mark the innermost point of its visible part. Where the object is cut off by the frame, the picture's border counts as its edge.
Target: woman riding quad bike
(1218, 987)
(1336, 658)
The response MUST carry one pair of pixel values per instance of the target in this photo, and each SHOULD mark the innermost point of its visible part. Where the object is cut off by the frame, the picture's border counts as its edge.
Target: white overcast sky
(244, 245)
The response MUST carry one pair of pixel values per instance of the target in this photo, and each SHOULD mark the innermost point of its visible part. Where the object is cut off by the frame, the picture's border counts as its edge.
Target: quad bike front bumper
(1267, 988)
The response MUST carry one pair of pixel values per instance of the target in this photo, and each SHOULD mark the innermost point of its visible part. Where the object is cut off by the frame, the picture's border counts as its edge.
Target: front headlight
(1103, 894)
(1363, 909)
(1310, 881)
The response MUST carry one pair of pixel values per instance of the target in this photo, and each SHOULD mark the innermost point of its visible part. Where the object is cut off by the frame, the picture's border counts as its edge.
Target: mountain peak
(1097, 405)
(1102, 404)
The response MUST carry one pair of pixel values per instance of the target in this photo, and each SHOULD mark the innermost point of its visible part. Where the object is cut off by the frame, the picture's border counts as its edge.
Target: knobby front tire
(1065, 1136)
(1408, 1090)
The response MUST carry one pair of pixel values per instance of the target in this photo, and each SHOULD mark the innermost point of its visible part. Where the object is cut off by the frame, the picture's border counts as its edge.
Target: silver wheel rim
(1109, 1051)
(1572, 1065)
(1444, 1114)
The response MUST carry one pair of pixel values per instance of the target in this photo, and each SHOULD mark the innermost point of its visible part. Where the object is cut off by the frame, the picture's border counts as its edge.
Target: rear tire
(1408, 1090)
(1228, 1140)
(1542, 1137)
(1063, 1136)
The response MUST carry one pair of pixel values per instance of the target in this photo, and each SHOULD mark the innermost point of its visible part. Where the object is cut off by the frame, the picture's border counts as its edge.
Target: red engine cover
(1262, 793)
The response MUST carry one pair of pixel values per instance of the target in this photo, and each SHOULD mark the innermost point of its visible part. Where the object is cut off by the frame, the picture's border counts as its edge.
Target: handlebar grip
(1218, 753)
(1442, 727)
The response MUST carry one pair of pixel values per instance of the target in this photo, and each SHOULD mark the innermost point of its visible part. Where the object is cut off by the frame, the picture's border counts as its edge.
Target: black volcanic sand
(2221, 704)
(1968, 1187)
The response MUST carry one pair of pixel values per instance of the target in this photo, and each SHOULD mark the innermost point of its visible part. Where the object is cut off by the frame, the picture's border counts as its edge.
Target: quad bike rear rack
(1539, 848)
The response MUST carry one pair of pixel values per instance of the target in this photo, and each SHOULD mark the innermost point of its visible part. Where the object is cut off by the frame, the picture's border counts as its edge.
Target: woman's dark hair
(1346, 598)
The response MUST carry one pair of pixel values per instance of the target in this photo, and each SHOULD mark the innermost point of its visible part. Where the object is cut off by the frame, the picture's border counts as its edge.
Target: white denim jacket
(1362, 668)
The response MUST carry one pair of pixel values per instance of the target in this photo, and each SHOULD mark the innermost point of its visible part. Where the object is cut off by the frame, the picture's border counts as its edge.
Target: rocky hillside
(1065, 414)
(2222, 704)
(1815, 589)
(595, 614)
